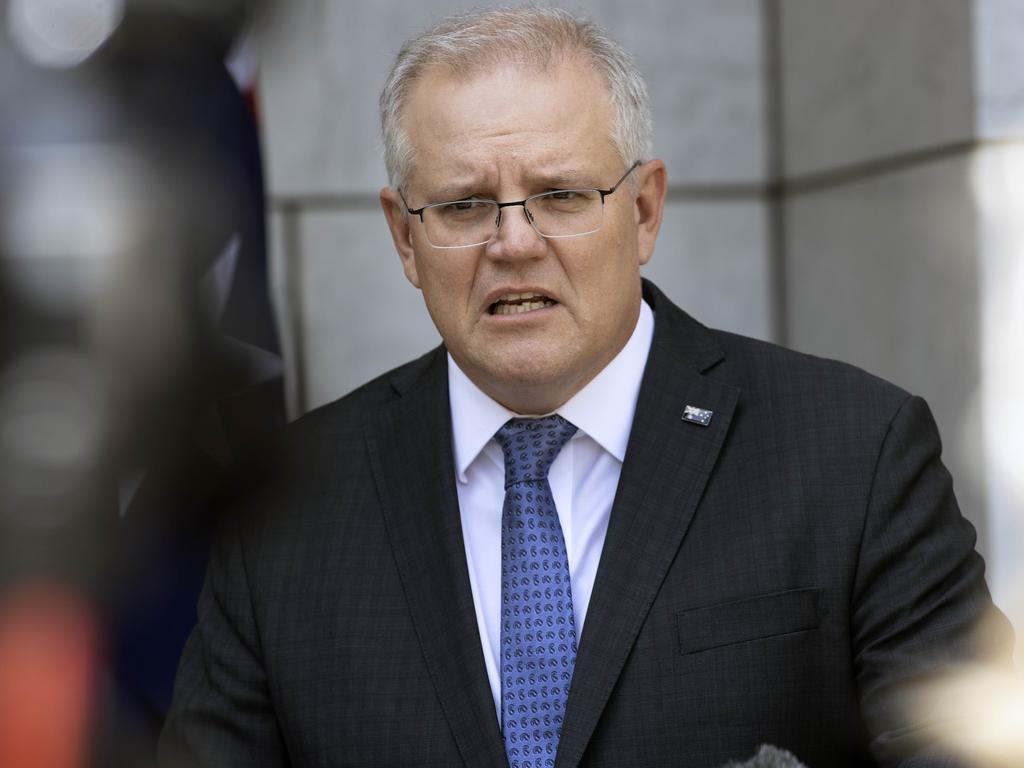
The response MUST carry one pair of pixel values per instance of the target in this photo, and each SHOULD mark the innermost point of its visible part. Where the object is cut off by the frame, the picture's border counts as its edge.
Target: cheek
(611, 273)
(610, 288)
(446, 283)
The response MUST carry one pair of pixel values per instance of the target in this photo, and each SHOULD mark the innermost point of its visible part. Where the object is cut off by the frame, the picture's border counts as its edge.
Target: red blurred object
(49, 649)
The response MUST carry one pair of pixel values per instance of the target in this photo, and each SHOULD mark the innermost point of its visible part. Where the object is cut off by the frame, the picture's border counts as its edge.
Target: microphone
(769, 757)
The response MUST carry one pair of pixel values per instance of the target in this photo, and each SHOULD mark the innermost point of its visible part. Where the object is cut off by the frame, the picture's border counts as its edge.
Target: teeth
(525, 306)
(519, 296)
(517, 303)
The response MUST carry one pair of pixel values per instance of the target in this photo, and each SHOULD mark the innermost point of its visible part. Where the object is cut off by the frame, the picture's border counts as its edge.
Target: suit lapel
(410, 448)
(667, 465)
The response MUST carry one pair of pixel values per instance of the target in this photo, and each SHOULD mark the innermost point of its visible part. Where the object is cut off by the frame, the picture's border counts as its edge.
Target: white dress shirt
(583, 480)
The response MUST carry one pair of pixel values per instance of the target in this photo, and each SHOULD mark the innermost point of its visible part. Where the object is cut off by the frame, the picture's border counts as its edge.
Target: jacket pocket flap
(749, 618)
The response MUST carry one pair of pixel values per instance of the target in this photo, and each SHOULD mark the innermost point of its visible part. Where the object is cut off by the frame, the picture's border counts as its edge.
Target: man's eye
(461, 205)
(462, 210)
(564, 201)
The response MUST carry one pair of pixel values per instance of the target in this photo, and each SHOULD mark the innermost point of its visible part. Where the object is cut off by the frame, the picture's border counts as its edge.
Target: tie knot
(531, 445)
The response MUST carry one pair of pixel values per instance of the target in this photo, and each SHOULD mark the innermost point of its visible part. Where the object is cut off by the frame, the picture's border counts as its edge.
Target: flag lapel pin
(696, 415)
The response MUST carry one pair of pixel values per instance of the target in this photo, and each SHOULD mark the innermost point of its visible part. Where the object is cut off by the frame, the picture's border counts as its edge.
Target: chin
(525, 375)
(530, 389)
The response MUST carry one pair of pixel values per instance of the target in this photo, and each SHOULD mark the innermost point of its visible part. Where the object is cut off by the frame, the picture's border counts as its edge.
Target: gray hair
(532, 36)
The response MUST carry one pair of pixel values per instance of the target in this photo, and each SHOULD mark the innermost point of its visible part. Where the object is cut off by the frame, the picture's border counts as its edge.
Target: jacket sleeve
(919, 594)
(221, 714)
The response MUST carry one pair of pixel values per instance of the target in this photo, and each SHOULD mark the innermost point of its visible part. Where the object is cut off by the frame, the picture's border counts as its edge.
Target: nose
(516, 238)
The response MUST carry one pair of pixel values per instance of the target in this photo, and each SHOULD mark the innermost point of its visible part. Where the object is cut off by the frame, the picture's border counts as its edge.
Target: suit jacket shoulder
(348, 412)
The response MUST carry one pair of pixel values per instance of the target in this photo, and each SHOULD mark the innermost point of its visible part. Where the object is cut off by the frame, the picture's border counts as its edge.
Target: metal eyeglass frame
(497, 223)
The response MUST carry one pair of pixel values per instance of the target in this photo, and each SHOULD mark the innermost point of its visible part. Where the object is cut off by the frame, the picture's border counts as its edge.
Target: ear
(648, 205)
(401, 232)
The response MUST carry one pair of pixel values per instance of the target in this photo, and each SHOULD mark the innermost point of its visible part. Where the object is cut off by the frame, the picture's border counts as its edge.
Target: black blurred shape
(168, 74)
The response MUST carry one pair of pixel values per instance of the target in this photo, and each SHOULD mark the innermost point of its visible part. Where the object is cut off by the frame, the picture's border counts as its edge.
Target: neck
(533, 401)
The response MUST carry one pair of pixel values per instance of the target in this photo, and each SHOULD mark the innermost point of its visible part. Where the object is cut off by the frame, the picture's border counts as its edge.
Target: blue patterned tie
(538, 632)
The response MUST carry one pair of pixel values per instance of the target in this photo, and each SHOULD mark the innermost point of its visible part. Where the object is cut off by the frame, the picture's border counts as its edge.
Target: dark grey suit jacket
(773, 577)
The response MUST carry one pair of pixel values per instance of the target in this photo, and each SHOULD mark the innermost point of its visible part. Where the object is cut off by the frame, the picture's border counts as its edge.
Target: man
(587, 530)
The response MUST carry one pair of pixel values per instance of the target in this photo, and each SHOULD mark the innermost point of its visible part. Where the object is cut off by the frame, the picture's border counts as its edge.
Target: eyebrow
(458, 191)
(561, 178)
(568, 178)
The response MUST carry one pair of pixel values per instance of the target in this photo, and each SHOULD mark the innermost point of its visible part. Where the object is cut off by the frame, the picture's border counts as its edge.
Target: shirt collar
(603, 409)
(475, 418)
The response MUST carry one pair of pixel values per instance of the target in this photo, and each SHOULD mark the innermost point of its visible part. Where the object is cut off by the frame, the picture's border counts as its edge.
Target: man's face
(505, 135)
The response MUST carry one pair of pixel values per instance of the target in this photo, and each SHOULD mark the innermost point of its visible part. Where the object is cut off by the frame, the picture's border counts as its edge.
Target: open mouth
(518, 303)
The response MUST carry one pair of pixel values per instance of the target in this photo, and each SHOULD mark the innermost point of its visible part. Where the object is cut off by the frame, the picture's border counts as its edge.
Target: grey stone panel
(704, 67)
(282, 267)
(711, 259)
(999, 67)
(324, 62)
(361, 316)
(871, 78)
(884, 274)
(323, 65)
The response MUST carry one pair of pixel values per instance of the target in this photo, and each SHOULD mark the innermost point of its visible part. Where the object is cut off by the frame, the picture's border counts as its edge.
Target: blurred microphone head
(769, 757)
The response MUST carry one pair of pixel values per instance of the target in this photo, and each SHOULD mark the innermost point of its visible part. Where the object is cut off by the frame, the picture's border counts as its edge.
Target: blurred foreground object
(133, 318)
(769, 757)
(62, 33)
(978, 708)
(987, 709)
(48, 677)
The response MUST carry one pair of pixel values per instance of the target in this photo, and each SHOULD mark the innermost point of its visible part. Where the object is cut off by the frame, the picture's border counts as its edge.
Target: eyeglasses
(560, 213)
